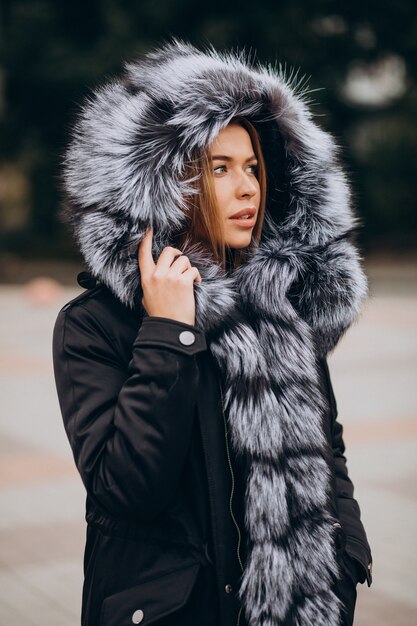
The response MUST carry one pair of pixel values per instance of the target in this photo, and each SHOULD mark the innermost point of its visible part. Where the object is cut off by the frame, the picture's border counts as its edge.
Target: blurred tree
(360, 56)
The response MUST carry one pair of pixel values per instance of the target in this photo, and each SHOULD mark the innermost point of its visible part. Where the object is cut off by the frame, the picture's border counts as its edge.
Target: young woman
(216, 225)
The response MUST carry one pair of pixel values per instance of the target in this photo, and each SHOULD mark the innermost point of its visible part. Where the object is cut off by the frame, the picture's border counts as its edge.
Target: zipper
(231, 497)
(232, 490)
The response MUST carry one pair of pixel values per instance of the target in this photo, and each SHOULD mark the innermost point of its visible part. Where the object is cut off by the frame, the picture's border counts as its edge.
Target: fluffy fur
(266, 322)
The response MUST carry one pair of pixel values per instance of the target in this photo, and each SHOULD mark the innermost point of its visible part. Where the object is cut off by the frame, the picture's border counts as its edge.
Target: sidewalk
(374, 375)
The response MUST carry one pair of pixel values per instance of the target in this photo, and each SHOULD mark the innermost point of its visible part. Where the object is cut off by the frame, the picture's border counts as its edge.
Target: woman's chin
(239, 241)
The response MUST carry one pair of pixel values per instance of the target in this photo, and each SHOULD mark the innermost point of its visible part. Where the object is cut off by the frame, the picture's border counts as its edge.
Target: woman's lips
(244, 223)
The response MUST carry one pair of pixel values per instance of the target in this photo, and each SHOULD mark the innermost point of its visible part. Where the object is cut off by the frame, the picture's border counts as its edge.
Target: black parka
(165, 534)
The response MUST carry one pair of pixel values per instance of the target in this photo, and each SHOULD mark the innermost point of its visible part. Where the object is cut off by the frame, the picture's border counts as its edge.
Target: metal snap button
(187, 337)
(228, 588)
(138, 616)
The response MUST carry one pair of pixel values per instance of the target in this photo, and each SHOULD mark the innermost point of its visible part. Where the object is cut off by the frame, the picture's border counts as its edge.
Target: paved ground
(374, 372)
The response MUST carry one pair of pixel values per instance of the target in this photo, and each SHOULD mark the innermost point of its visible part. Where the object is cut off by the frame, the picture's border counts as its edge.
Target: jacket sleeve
(357, 545)
(129, 427)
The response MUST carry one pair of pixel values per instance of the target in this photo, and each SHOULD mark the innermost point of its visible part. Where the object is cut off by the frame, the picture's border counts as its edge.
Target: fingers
(167, 258)
(197, 275)
(145, 258)
(166, 261)
(182, 266)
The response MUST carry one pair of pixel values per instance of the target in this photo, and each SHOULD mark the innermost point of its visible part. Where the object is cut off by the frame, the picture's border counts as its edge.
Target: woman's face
(235, 182)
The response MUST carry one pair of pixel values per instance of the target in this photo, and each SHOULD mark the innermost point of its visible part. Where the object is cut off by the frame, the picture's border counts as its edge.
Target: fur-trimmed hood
(266, 321)
(123, 167)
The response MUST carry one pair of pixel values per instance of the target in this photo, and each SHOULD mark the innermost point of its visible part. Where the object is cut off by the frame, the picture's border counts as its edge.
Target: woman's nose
(246, 186)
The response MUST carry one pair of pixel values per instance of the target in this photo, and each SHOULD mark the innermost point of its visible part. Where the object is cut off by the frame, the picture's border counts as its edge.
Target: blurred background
(359, 59)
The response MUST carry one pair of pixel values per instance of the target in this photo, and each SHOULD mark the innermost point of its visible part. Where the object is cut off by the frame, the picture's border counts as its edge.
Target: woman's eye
(254, 168)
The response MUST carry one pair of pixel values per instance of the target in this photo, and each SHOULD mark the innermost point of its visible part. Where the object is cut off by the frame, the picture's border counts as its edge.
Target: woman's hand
(167, 285)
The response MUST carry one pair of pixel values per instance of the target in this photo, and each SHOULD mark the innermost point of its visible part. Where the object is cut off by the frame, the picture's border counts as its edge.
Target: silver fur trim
(268, 321)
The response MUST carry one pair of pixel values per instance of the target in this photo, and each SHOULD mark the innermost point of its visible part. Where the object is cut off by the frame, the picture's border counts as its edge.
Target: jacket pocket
(150, 600)
(349, 563)
(357, 549)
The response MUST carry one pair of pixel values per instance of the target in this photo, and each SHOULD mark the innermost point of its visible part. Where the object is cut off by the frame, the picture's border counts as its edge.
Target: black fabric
(143, 415)
(347, 506)
(154, 599)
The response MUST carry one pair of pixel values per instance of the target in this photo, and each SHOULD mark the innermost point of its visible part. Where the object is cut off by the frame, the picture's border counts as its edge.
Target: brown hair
(205, 223)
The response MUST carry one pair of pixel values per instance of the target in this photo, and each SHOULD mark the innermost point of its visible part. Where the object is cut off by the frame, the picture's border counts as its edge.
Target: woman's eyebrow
(223, 157)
